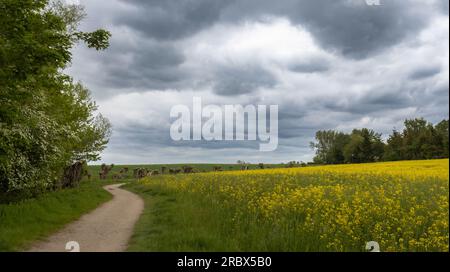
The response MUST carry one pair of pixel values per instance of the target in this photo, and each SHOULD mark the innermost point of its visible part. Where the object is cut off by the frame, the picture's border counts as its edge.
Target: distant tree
(365, 145)
(292, 164)
(442, 138)
(394, 149)
(329, 146)
(418, 139)
(443, 135)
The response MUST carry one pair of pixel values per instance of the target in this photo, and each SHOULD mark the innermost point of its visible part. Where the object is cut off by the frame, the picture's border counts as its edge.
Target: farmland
(404, 206)
(199, 167)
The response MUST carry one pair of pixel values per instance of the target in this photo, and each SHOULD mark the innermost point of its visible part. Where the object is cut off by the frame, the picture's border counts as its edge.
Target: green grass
(168, 224)
(27, 221)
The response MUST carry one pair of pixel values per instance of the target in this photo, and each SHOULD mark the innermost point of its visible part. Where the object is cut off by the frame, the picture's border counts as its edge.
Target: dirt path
(107, 228)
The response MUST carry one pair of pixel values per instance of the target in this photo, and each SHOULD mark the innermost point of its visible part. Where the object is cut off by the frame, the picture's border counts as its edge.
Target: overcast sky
(328, 64)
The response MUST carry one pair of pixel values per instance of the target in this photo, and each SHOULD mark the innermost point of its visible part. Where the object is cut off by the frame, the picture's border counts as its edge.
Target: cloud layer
(328, 64)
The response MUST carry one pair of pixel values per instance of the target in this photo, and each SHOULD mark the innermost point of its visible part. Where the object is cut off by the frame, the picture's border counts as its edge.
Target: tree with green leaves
(394, 149)
(418, 140)
(365, 145)
(329, 146)
(47, 122)
(442, 138)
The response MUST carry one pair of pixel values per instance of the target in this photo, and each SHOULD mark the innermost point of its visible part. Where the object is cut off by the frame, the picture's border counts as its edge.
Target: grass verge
(170, 223)
(29, 220)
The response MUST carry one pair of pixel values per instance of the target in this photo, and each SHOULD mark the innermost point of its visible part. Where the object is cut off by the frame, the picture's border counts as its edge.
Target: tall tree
(365, 145)
(442, 138)
(46, 121)
(418, 134)
(394, 149)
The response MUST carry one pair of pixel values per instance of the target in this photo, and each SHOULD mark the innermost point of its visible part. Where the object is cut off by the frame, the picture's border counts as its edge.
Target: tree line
(48, 123)
(418, 140)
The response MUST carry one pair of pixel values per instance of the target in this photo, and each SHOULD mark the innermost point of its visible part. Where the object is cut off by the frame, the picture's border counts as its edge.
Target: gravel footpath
(106, 229)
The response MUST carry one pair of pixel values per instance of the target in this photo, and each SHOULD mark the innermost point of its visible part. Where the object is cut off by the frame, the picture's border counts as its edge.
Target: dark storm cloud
(172, 19)
(145, 65)
(358, 30)
(353, 28)
(425, 72)
(155, 49)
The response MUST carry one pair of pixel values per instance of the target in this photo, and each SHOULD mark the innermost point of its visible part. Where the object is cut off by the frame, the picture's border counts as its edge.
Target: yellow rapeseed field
(404, 206)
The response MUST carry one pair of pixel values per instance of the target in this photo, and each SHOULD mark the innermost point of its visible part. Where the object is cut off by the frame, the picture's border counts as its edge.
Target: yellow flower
(404, 206)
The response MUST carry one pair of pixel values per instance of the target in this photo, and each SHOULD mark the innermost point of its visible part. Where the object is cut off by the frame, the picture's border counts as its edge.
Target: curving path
(106, 229)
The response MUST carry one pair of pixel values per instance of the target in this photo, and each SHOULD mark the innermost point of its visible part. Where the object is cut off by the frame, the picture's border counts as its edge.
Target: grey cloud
(295, 130)
(297, 125)
(172, 19)
(148, 65)
(441, 98)
(152, 57)
(241, 80)
(443, 6)
(353, 28)
(378, 99)
(425, 72)
(387, 97)
(139, 136)
(442, 91)
(310, 66)
(356, 29)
